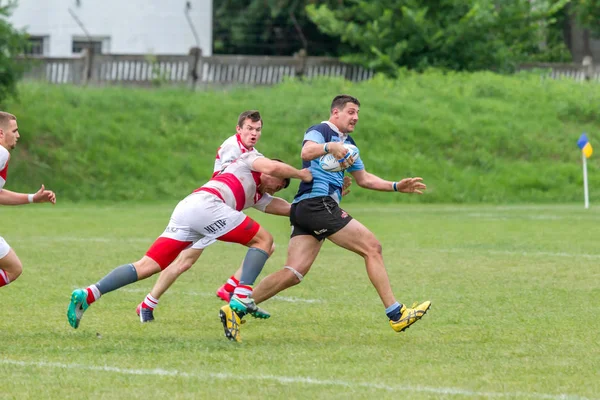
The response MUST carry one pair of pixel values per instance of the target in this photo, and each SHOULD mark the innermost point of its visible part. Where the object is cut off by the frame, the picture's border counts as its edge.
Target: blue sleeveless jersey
(324, 183)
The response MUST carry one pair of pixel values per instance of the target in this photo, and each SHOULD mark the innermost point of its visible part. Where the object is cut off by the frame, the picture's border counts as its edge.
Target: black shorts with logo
(319, 217)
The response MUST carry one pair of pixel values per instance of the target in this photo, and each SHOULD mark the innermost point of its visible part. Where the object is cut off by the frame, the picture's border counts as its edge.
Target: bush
(12, 44)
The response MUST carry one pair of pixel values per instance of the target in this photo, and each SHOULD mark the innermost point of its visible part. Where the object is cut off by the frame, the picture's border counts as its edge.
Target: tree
(12, 43)
(588, 15)
(269, 27)
(449, 34)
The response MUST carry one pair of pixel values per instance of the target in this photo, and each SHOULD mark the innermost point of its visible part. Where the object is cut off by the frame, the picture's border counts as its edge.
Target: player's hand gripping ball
(329, 163)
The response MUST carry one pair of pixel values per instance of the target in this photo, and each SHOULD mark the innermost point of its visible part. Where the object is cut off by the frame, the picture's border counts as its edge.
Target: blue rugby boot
(247, 306)
(77, 307)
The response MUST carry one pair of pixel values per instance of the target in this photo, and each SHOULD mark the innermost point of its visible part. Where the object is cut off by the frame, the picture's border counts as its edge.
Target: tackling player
(10, 264)
(248, 132)
(212, 212)
(316, 215)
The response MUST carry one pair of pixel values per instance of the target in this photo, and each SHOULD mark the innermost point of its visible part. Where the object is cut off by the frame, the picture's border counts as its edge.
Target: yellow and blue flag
(585, 146)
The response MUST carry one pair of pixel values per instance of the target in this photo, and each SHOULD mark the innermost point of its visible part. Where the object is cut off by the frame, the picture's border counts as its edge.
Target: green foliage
(269, 27)
(478, 137)
(588, 14)
(12, 43)
(157, 77)
(449, 34)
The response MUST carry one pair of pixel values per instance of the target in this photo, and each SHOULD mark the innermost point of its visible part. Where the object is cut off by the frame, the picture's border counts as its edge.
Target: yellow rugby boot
(409, 316)
(231, 323)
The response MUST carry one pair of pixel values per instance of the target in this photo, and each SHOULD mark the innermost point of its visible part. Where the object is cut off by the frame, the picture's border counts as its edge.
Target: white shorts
(201, 218)
(198, 221)
(4, 247)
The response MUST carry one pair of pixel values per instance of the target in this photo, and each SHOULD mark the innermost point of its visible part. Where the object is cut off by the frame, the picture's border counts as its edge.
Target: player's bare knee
(293, 277)
(373, 249)
(269, 241)
(15, 271)
(262, 240)
(183, 266)
(146, 267)
(272, 250)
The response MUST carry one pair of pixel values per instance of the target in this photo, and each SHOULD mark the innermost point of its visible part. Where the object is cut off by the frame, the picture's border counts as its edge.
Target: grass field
(515, 292)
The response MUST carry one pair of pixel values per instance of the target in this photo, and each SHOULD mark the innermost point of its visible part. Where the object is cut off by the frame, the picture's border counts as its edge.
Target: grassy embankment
(472, 137)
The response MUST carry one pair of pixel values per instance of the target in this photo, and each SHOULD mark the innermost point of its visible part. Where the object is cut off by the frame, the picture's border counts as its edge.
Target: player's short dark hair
(286, 180)
(253, 115)
(5, 117)
(341, 100)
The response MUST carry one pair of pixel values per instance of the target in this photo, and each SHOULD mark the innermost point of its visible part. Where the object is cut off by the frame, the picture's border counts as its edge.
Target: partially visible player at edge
(248, 132)
(315, 215)
(10, 264)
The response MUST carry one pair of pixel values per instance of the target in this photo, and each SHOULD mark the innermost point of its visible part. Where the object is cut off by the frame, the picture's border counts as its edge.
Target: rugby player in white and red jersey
(248, 132)
(212, 212)
(10, 265)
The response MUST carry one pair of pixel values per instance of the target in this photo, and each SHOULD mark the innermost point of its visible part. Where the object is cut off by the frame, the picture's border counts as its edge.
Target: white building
(58, 27)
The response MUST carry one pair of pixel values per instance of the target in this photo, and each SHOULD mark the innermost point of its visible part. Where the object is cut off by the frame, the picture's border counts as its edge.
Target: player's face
(250, 132)
(10, 134)
(347, 118)
(271, 184)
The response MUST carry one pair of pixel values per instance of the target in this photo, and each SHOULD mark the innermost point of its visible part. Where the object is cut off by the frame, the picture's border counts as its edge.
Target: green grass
(473, 137)
(516, 310)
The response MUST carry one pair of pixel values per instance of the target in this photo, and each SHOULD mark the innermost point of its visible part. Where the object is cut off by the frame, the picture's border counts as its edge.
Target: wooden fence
(194, 70)
(197, 71)
(577, 72)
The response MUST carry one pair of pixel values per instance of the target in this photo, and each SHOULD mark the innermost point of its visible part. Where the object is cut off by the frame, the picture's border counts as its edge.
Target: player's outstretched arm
(410, 185)
(9, 198)
(367, 180)
(278, 206)
(280, 169)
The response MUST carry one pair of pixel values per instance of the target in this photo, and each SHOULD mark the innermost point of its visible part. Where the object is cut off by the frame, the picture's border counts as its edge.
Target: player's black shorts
(319, 217)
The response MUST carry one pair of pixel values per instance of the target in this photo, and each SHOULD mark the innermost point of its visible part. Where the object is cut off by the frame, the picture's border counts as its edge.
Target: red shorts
(165, 249)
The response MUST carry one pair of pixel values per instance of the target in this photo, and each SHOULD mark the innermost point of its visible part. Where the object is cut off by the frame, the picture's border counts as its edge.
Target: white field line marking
(513, 253)
(466, 208)
(457, 250)
(498, 213)
(292, 380)
(208, 294)
(84, 239)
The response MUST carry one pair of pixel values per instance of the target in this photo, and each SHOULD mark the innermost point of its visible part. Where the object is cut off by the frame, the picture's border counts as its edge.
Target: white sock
(150, 302)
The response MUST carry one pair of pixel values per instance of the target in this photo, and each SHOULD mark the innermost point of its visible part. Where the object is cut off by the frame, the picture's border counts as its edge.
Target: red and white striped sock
(150, 302)
(243, 291)
(231, 284)
(93, 294)
(3, 278)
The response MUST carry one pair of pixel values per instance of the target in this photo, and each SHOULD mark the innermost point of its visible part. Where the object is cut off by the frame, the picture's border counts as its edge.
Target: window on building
(38, 45)
(80, 45)
(98, 45)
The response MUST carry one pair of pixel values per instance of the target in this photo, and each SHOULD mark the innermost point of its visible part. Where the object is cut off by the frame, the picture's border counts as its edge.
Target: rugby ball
(330, 164)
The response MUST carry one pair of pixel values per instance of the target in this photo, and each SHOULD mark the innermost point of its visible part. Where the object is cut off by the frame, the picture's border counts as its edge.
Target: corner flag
(585, 146)
(586, 151)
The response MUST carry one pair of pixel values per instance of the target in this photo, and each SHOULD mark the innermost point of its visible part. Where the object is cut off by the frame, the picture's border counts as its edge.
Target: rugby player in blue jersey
(315, 215)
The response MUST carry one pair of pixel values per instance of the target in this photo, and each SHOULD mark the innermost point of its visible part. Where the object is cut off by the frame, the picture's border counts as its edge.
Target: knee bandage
(298, 274)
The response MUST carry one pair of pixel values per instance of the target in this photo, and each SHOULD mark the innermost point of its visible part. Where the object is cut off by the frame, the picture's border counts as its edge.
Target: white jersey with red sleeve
(237, 184)
(231, 149)
(4, 157)
(214, 212)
